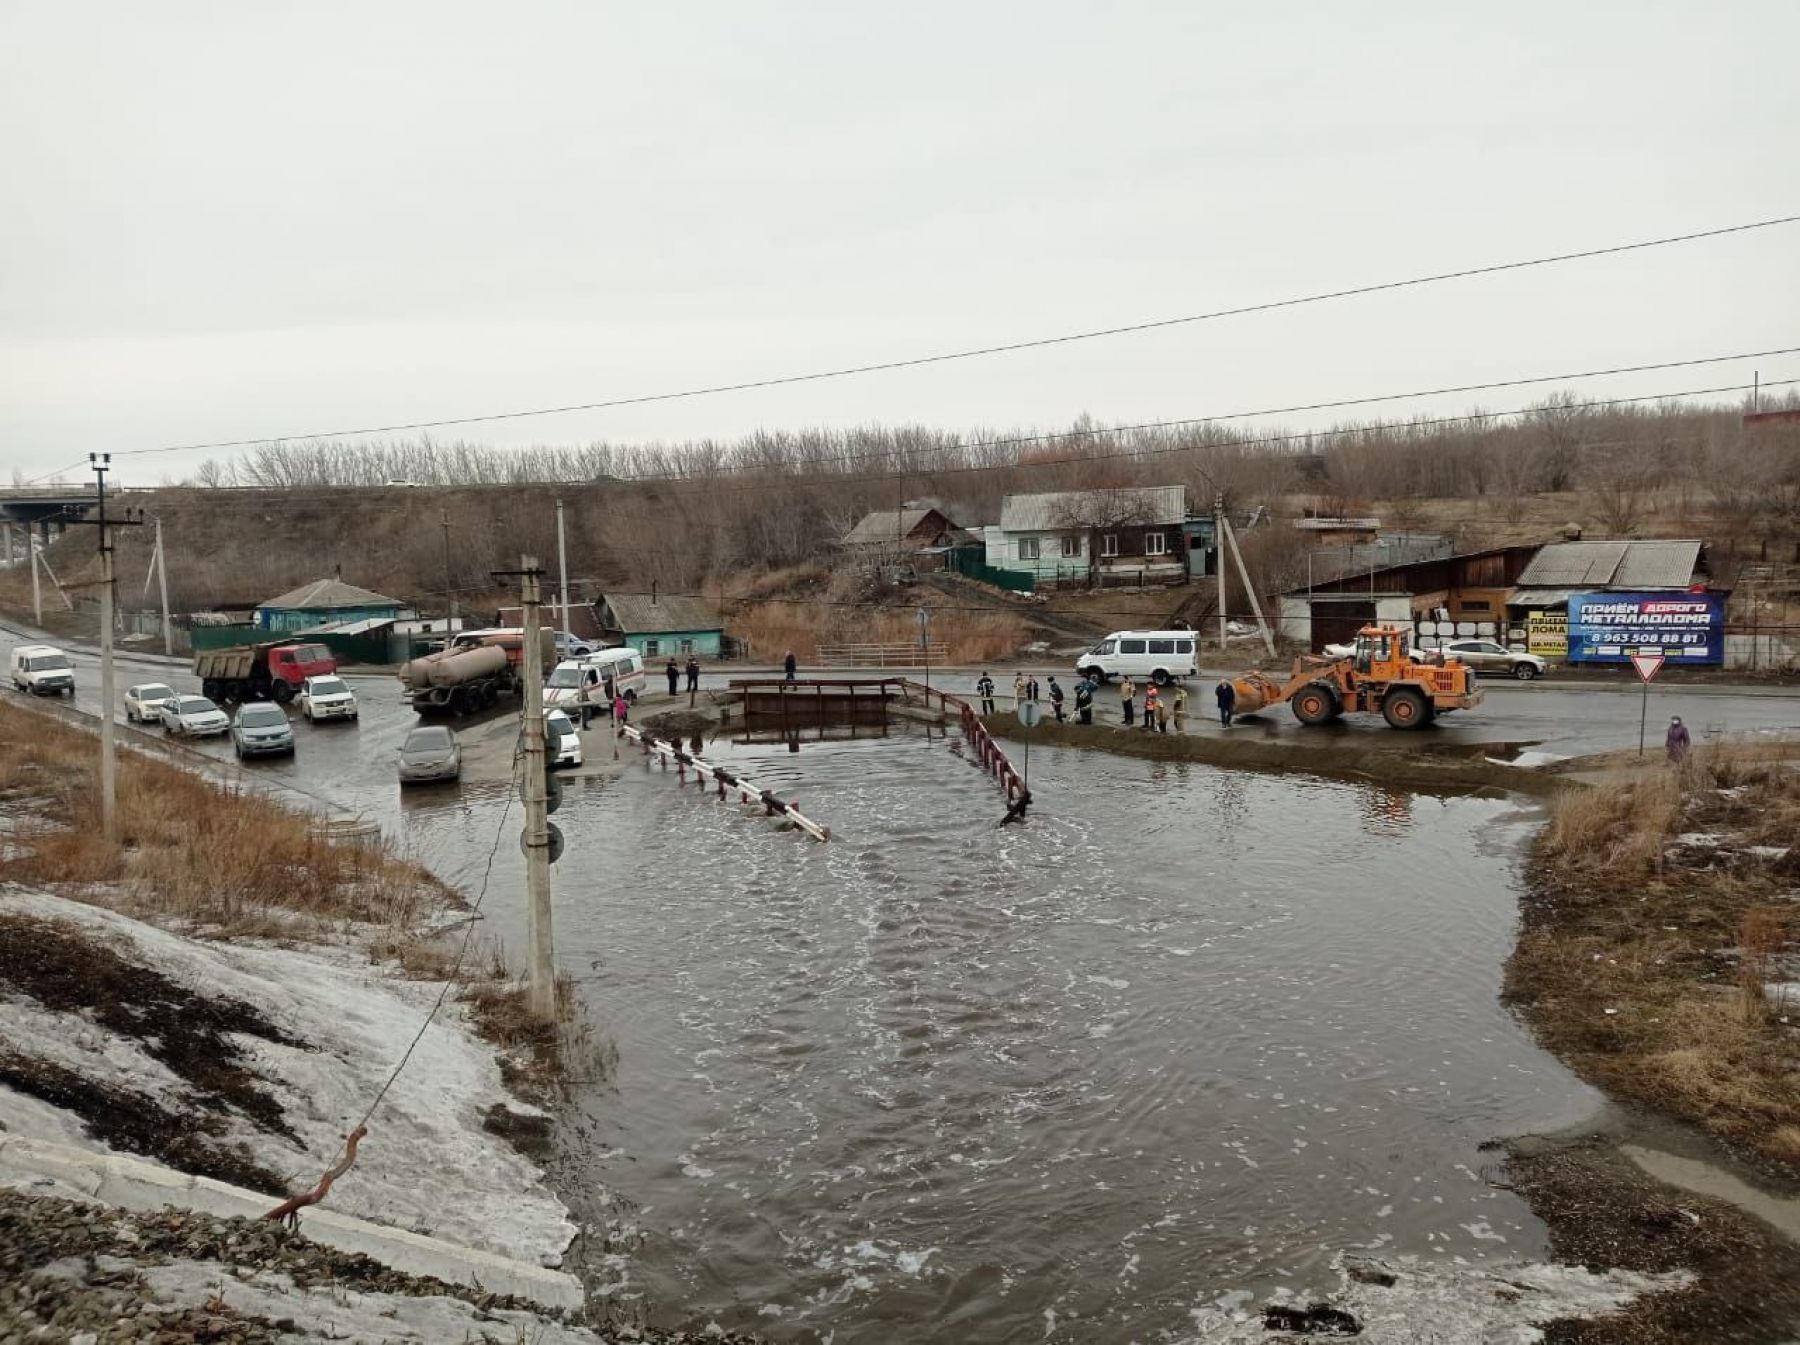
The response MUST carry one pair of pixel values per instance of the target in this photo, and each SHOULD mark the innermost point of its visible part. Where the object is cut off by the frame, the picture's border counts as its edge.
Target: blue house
(666, 627)
(326, 602)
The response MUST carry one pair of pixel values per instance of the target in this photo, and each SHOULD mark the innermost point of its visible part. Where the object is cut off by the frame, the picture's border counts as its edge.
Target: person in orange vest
(1152, 703)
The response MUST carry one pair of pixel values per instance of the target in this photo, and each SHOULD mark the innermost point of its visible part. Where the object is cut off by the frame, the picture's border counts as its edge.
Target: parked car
(261, 729)
(1490, 656)
(194, 717)
(42, 670)
(562, 741)
(430, 753)
(326, 698)
(144, 702)
(573, 646)
(1163, 656)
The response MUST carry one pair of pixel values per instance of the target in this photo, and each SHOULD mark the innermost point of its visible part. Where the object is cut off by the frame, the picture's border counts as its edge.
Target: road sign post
(1029, 713)
(1648, 664)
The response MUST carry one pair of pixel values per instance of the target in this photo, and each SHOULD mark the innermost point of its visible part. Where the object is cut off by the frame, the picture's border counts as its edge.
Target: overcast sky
(234, 220)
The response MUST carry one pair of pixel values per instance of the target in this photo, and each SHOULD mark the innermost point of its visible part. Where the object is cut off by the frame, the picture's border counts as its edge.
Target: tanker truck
(474, 672)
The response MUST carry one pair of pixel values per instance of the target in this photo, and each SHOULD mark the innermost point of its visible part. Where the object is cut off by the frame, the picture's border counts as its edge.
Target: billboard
(1547, 634)
(1611, 627)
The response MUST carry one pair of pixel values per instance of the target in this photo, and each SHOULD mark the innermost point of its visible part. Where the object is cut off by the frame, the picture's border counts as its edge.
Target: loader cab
(1378, 652)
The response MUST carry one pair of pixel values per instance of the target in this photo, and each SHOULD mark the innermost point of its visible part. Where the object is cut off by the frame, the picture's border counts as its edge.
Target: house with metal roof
(327, 602)
(1574, 570)
(663, 627)
(1134, 531)
(909, 528)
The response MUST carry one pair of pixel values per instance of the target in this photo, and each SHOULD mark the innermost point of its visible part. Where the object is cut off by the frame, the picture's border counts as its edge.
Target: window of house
(1156, 544)
(1028, 548)
(652, 648)
(1477, 605)
(1071, 544)
(1109, 544)
(687, 646)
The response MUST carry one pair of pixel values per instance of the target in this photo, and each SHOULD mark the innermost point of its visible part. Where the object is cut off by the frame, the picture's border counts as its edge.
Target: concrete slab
(132, 1183)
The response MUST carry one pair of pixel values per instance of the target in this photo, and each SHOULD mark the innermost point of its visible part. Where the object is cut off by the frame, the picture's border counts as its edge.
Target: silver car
(429, 753)
(194, 717)
(1490, 656)
(261, 730)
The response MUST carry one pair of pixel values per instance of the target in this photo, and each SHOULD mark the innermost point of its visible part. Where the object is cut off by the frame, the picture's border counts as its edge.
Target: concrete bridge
(45, 508)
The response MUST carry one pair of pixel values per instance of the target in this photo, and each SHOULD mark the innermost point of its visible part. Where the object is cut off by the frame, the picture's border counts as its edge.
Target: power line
(1038, 343)
(261, 497)
(462, 951)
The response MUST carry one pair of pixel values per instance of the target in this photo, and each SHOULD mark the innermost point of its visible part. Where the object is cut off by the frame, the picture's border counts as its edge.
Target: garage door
(1338, 622)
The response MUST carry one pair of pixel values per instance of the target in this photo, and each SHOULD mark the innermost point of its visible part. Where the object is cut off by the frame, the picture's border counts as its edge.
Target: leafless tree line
(684, 515)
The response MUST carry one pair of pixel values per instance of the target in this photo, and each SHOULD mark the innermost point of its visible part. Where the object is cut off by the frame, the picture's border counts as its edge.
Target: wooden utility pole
(1249, 588)
(449, 589)
(539, 834)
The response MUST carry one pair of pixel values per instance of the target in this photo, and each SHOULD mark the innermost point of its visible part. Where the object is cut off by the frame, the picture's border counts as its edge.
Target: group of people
(1160, 708)
(673, 672)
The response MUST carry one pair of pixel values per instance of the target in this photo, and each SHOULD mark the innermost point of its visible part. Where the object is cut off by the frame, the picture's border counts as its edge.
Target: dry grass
(225, 860)
(966, 637)
(1644, 960)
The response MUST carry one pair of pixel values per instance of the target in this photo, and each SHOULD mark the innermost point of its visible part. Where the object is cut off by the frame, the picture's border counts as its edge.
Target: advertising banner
(1547, 634)
(1611, 627)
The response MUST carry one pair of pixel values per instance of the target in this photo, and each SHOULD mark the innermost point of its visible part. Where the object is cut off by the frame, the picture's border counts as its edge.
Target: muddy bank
(1604, 1211)
(1337, 754)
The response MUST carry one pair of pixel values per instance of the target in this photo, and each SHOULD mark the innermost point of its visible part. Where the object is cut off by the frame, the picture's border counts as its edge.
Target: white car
(144, 702)
(570, 646)
(326, 698)
(562, 741)
(194, 717)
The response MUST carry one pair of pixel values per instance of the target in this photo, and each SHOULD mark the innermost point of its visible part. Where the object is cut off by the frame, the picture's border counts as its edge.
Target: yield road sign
(1647, 665)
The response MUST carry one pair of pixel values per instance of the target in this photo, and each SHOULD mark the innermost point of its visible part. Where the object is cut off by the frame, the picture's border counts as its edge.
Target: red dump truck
(260, 672)
(478, 668)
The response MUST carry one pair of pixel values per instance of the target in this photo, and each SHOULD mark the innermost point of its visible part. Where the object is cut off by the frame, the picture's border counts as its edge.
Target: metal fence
(968, 561)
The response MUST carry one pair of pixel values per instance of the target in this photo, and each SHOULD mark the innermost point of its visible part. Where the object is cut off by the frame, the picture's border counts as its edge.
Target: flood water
(1179, 1039)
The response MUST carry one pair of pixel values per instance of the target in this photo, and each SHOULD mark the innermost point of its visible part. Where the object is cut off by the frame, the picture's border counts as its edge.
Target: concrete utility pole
(449, 589)
(537, 838)
(37, 590)
(162, 586)
(562, 566)
(109, 789)
(1219, 551)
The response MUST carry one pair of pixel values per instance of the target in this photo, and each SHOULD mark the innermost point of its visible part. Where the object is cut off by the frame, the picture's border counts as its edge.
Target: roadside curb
(114, 1179)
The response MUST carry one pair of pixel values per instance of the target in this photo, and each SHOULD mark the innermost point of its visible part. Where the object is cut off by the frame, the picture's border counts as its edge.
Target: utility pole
(162, 585)
(538, 832)
(37, 591)
(449, 588)
(562, 567)
(109, 789)
(1219, 551)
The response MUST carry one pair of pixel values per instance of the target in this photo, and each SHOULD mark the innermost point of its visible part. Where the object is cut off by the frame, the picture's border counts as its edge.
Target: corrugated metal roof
(1064, 509)
(326, 594)
(880, 527)
(1542, 597)
(1628, 565)
(640, 614)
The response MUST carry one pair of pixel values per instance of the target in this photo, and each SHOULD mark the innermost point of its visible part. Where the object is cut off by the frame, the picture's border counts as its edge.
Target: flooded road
(1182, 1037)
